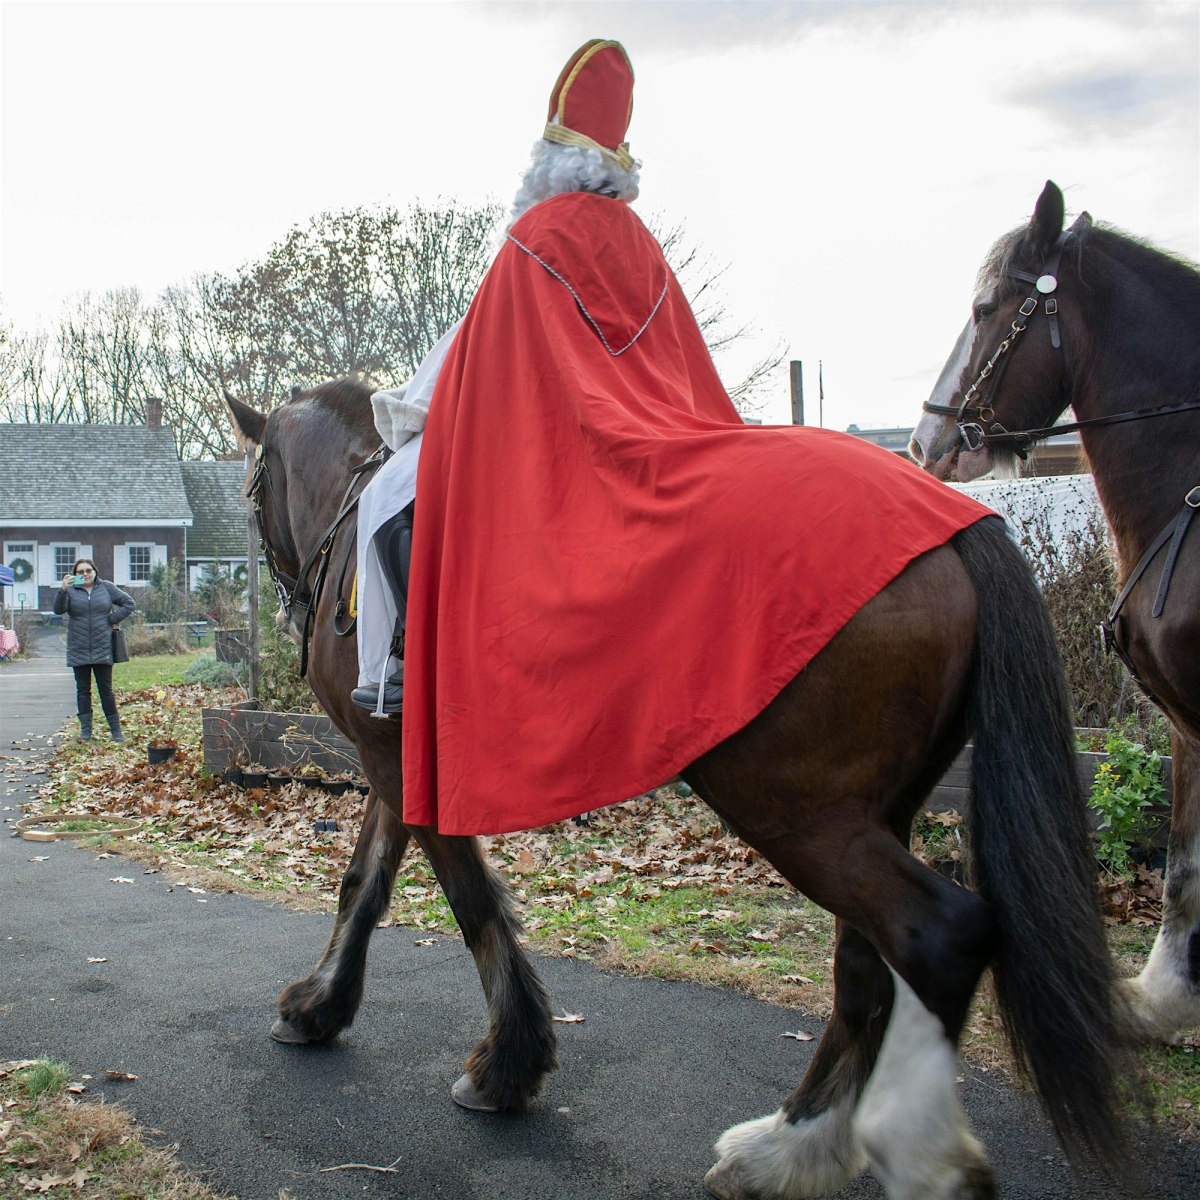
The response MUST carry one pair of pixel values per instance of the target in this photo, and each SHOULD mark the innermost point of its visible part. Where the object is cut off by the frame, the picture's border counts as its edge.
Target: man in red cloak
(611, 572)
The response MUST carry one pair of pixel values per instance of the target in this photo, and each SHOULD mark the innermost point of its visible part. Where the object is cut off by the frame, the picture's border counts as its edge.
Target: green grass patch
(43, 1078)
(151, 671)
(1173, 1081)
(78, 825)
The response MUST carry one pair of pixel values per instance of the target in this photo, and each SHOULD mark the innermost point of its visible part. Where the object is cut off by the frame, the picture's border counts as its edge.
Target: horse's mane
(348, 399)
(1176, 271)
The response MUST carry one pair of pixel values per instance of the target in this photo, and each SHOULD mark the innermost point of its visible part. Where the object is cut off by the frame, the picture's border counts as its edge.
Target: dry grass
(56, 1144)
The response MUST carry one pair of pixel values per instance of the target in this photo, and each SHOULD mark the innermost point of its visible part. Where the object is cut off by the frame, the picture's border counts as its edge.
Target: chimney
(153, 412)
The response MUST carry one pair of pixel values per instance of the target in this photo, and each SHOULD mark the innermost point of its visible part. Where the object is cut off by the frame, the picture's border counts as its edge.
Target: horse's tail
(1032, 855)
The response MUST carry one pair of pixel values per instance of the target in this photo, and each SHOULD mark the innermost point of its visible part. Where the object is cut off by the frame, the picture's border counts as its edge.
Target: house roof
(214, 490)
(85, 473)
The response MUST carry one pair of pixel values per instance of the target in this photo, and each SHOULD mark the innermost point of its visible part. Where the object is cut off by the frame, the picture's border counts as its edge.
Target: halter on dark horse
(1122, 349)
(295, 592)
(825, 783)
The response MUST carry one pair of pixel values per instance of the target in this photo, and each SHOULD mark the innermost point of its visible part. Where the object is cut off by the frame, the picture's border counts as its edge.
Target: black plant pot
(336, 787)
(232, 775)
(160, 754)
(254, 779)
(1152, 857)
(275, 780)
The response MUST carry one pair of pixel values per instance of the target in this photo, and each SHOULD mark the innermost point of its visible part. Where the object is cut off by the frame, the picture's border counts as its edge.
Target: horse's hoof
(466, 1095)
(287, 1033)
(723, 1182)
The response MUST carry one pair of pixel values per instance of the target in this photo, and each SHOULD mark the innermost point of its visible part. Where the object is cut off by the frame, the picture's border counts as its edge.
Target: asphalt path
(184, 997)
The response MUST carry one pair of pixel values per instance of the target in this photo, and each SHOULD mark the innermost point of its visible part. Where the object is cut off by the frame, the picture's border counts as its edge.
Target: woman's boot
(114, 723)
(85, 727)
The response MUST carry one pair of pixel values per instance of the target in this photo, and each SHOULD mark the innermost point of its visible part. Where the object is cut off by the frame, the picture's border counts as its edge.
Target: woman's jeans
(83, 689)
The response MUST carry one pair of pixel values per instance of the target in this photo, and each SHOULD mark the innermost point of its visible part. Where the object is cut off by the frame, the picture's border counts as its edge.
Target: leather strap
(1190, 503)
(1173, 532)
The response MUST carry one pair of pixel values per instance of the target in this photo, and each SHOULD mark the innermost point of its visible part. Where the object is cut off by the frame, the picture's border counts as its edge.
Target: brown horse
(825, 783)
(1103, 323)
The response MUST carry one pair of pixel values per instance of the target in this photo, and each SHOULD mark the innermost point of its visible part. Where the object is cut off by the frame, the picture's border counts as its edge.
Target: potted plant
(166, 729)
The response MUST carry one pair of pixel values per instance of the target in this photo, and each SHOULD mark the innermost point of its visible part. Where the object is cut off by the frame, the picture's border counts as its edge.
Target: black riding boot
(393, 541)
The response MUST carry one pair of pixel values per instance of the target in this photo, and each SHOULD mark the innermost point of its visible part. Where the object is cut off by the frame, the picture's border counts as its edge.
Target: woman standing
(94, 606)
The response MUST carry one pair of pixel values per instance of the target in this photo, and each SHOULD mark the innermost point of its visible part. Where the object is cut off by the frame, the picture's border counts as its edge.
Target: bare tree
(31, 385)
(700, 279)
(100, 357)
(365, 292)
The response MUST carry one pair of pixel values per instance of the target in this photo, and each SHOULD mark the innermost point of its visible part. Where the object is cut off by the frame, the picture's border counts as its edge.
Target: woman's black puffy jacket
(92, 617)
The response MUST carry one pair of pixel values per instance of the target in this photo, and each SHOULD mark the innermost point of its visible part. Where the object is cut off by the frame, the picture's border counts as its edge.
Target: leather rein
(294, 593)
(972, 418)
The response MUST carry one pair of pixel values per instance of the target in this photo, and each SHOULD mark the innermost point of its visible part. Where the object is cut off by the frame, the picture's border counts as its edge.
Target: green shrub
(1146, 724)
(221, 595)
(162, 599)
(208, 671)
(1127, 785)
(280, 687)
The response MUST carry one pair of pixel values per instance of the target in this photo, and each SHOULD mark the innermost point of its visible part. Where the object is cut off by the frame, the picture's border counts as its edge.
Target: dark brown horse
(825, 783)
(1103, 323)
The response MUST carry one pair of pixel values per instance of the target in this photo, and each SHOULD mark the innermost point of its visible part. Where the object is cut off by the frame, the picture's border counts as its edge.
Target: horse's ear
(1047, 220)
(248, 423)
(1082, 223)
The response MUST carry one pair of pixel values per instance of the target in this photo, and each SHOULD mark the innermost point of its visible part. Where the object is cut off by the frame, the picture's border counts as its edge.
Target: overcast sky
(851, 162)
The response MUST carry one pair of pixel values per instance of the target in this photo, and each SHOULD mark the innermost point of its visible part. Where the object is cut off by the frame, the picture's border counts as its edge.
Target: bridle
(976, 415)
(972, 416)
(294, 592)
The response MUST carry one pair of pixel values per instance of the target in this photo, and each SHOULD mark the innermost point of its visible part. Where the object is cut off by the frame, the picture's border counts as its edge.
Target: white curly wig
(554, 169)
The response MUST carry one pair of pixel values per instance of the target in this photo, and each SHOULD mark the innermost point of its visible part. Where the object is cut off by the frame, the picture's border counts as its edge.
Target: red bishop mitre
(593, 101)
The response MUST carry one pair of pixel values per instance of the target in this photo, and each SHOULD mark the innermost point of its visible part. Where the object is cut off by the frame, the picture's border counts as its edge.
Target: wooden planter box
(287, 742)
(951, 792)
(290, 741)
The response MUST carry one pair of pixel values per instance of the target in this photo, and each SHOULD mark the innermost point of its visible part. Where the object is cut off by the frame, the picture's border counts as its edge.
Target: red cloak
(611, 573)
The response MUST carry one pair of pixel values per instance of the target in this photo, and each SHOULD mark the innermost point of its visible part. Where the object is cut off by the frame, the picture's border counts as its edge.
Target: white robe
(400, 419)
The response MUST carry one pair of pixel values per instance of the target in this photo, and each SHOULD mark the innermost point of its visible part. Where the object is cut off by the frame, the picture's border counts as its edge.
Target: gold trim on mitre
(570, 137)
(556, 128)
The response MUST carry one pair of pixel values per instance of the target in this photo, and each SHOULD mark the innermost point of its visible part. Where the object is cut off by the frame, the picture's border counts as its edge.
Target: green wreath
(22, 569)
(240, 573)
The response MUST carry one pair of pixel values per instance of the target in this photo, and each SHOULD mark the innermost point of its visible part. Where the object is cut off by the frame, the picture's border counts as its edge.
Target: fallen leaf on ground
(569, 1018)
(800, 1036)
(45, 1182)
(121, 1075)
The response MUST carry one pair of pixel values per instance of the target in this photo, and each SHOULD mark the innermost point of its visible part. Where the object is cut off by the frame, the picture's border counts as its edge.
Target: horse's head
(1007, 371)
(304, 451)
